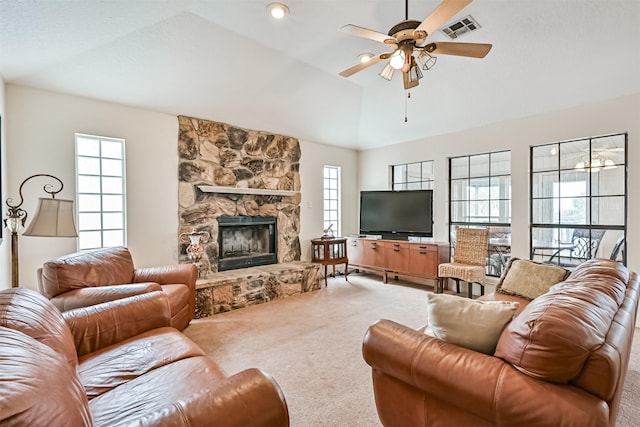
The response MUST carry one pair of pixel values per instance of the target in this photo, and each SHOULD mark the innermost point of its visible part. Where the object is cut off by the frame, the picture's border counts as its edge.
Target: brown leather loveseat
(119, 363)
(92, 277)
(561, 361)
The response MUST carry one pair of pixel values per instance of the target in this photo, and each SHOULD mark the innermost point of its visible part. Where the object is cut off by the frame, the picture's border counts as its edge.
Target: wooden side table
(330, 251)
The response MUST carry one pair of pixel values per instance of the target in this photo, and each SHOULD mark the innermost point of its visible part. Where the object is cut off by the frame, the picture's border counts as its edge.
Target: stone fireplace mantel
(238, 190)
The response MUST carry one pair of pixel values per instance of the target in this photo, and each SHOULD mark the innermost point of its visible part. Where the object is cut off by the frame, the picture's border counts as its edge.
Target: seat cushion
(468, 273)
(113, 366)
(157, 397)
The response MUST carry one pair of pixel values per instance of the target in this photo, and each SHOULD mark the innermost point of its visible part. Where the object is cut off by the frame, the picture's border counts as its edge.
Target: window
(578, 200)
(100, 191)
(332, 199)
(480, 196)
(412, 176)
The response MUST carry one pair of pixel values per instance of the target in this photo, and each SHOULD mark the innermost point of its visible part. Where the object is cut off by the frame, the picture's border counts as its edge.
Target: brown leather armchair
(92, 277)
(118, 363)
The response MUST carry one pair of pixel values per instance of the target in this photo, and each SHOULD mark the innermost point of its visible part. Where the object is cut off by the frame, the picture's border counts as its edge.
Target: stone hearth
(234, 289)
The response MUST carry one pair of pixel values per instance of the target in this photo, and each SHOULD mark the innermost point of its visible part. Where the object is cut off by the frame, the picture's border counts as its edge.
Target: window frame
(500, 230)
(567, 227)
(425, 181)
(335, 195)
(82, 213)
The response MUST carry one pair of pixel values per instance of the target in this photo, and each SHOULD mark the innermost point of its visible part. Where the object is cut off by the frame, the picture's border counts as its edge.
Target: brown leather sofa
(561, 361)
(119, 363)
(92, 277)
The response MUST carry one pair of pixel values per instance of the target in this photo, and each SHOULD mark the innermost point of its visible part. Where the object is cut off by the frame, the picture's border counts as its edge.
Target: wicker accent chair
(469, 260)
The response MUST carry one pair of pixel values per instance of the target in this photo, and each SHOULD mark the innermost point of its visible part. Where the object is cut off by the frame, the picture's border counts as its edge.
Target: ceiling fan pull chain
(406, 101)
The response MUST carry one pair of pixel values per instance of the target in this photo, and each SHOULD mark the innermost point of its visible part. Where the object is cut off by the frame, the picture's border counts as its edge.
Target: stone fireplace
(241, 188)
(246, 241)
(226, 171)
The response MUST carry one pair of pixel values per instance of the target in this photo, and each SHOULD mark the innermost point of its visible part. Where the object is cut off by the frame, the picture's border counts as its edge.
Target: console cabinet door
(354, 251)
(397, 256)
(372, 253)
(423, 260)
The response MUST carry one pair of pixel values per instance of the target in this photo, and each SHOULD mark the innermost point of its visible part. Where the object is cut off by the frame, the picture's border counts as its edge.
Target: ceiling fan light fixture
(397, 59)
(277, 10)
(427, 61)
(363, 58)
(414, 72)
(387, 72)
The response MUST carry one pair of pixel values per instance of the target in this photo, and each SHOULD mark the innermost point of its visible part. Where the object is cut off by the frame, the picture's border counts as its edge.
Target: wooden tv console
(397, 257)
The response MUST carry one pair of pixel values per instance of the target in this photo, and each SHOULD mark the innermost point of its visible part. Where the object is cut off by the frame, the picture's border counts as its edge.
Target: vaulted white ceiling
(228, 60)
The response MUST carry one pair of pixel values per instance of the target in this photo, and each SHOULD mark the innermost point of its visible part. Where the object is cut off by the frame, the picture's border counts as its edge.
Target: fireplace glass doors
(246, 241)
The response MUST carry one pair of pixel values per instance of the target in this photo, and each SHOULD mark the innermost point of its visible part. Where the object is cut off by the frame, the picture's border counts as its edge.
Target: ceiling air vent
(458, 28)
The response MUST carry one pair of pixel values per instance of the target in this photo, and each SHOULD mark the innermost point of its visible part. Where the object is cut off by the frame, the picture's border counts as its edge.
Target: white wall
(5, 274)
(613, 116)
(41, 127)
(314, 157)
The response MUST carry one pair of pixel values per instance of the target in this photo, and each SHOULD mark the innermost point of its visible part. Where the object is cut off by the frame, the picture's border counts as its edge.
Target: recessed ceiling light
(278, 10)
(365, 57)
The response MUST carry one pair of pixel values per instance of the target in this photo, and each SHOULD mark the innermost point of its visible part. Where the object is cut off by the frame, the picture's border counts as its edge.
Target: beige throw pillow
(472, 324)
(529, 279)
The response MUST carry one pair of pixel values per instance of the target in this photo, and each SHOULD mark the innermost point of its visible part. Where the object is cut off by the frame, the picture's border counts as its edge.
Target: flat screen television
(396, 214)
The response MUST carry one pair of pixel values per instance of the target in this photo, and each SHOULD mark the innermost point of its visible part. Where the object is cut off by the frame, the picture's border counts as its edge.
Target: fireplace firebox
(247, 241)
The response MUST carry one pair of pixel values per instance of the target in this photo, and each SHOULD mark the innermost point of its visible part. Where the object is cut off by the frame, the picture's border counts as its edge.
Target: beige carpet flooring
(311, 344)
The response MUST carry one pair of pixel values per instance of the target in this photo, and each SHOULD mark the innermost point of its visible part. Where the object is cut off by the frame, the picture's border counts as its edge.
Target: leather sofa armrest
(167, 275)
(84, 297)
(99, 326)
(480, 384)
(248, 398)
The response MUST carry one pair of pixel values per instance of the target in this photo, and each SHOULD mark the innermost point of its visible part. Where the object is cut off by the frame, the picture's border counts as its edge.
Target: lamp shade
(387, 72)
(54, 218)
(427, 60)
(414, 72)
(397, 59)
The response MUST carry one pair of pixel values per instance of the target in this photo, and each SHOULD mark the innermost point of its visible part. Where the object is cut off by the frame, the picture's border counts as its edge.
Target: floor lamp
(54, 218)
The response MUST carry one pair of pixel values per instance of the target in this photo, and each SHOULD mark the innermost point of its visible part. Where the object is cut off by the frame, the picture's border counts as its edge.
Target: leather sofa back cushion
(39, 387)
(101, 267)
(557, 332)
(32, 314)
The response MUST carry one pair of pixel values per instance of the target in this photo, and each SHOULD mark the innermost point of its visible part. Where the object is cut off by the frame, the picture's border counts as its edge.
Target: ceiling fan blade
(354, 30)
(445, 11)
(473, 50)
(361, 66)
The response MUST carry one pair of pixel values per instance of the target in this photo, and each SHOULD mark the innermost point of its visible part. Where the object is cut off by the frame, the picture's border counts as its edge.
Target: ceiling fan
(406, 40)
